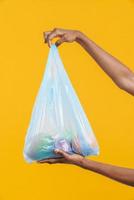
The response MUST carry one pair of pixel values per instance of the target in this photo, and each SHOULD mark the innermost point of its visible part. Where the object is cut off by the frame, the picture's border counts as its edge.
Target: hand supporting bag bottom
(58, 120)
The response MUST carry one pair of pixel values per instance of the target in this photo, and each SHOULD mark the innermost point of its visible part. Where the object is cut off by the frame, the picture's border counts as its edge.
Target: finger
(61, 152)
(43, 161)
(47, 40)
(51, 160)
(53, 34)
(46, 161)
(50, 37)
(49, 43)
(45, 34)
(60, 41)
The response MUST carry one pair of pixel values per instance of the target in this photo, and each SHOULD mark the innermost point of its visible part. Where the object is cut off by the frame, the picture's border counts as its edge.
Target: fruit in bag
(58, 120)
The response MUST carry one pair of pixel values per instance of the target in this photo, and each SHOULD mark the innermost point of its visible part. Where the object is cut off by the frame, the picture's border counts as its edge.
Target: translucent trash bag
(58, 120)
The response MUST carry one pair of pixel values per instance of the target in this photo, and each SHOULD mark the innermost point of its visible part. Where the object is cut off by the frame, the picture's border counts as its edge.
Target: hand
(66, 158)
(63, 34)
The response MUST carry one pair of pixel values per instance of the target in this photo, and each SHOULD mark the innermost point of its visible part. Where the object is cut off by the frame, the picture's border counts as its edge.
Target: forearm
(120, 174)
(118, 72)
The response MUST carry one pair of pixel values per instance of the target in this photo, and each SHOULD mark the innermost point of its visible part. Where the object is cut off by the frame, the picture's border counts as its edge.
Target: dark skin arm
(121, 75)
(120, 174)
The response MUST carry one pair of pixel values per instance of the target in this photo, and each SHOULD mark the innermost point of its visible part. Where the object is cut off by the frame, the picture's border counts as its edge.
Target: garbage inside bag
(58, 120)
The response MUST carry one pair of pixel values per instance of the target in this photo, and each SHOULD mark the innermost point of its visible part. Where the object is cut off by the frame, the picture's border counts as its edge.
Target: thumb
(61, 152)
(60, 41)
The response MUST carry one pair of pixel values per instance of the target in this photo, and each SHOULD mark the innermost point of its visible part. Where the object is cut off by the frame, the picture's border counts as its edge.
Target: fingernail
(56, 150)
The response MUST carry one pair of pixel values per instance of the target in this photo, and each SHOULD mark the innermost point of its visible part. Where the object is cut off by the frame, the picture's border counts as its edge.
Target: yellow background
(22, 59)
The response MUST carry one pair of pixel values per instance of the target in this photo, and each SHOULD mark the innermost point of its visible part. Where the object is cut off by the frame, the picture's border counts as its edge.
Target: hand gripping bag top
(58, 120)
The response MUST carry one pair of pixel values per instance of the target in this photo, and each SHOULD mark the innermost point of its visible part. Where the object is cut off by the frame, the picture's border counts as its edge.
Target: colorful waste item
(58, 120)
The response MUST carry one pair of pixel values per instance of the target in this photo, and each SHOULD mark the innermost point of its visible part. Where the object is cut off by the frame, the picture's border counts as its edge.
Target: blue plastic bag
(58, 120)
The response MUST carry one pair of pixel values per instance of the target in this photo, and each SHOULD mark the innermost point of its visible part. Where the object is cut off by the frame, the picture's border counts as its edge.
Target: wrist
(79, 36)
(80, 162)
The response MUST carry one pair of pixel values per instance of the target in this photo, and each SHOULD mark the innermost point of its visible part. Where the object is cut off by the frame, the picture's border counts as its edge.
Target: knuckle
(55, 29)
(65, 37)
